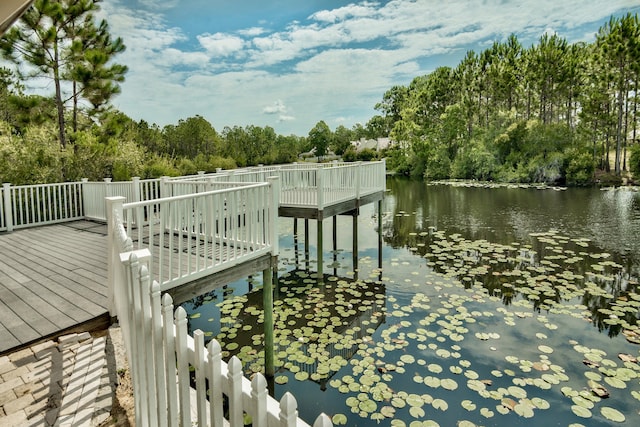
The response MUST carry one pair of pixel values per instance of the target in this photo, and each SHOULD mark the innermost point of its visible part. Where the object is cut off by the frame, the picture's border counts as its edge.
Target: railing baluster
(201, 390)
(158, 355)
(170, 357)
(182, 359)
(215, 384)
(236, 418)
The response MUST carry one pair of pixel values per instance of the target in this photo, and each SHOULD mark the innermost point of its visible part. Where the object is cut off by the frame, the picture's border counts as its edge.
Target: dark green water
(487, 306)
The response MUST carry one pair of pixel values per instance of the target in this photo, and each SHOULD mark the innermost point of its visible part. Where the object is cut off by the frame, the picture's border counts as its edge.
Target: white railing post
(384, 174)
(146, 339)
(182, 363)
(201, 390)
(274, 205)
(288, 411)
(135, 181)
(235, 392)
(136, 337)
(259, 399)
(323, 421)
(8, 209)
(85, 198)
(170, 358)
(158, 355)
(164, 187)
(107, 189)
(320, 185)
(215, 394)
(114, 210)
(358, 169)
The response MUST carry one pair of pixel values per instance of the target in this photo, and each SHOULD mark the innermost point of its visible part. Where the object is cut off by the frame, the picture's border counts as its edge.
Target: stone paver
(65, 382)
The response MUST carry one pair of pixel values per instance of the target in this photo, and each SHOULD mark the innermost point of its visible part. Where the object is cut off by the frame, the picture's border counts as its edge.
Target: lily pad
(612, 414)
(581, 411)
(339, 419)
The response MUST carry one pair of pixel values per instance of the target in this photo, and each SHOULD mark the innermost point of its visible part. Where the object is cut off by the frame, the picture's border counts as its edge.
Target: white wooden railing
(311, 185)
(160, 351)
(136, 190)
(31, 205)
(302, 185)
(202, 232)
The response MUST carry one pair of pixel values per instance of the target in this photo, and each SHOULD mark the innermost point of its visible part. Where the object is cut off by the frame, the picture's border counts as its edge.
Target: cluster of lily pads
(402, 358)
(489, 184)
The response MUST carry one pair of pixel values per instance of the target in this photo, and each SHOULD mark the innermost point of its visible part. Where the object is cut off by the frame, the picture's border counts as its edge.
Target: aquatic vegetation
(499, 330)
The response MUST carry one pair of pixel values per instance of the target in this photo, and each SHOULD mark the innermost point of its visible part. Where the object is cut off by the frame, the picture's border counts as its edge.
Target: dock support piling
(267, 291)
(355, 245)
(380, 234)
(306, 243)
(335, 245)
(320, 250)
(295, 240)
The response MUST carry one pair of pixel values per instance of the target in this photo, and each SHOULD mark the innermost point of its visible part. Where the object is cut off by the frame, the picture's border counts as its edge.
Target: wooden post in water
(306, 243)
(295, 240)
(320, 249)
(380, 234)
(355, 244)
(335, 245)
(267, 295)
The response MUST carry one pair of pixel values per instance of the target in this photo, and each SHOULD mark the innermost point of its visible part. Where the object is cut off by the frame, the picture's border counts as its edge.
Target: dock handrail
(302, 185)
(161, 353)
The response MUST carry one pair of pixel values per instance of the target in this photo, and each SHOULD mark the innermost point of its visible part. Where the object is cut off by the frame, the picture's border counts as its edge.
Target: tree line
(553, 112)
(75, 133)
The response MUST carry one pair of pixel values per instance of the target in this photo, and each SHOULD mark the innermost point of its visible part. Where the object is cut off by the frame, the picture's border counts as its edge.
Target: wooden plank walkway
(52, 279)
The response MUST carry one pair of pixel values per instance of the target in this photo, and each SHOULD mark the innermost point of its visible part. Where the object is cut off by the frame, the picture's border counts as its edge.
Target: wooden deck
(53, 280)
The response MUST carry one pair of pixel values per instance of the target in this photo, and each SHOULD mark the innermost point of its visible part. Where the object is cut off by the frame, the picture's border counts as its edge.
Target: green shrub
(367, 154)
(158, 167)
(580, 168)
(350, 154)
(474, 162)
(438, 166)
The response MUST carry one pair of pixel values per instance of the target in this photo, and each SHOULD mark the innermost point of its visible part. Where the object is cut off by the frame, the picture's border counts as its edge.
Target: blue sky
(291, 63)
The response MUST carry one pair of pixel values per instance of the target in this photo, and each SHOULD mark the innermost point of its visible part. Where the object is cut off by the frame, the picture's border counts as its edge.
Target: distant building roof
(373, 144)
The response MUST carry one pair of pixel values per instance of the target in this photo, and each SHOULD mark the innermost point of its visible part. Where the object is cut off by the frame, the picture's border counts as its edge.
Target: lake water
(493, 306)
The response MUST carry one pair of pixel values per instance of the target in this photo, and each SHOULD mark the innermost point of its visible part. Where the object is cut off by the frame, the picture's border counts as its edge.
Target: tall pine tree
(59, 40)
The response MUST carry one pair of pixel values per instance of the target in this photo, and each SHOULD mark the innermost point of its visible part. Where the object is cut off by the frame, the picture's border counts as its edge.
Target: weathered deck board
(52, 279)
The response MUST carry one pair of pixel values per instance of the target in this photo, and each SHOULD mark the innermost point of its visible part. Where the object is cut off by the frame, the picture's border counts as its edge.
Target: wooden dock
(53, 280)
(53, 261)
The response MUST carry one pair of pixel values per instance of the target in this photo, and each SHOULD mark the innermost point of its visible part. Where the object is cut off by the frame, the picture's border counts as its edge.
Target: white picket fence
(160, 351)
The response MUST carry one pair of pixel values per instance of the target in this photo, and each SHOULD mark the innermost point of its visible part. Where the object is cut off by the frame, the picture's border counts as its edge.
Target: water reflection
(610, 218)
(484, 296)
(317, 327)
(509, 252)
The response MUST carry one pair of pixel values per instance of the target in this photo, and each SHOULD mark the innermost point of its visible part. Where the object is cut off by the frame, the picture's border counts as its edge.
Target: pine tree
(59, 40)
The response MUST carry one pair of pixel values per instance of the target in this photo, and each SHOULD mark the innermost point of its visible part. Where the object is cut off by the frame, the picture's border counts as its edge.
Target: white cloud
(275, 108)
(159, 5)
(220, 44)
(349, 11)
(252, 32)
(333, 65)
